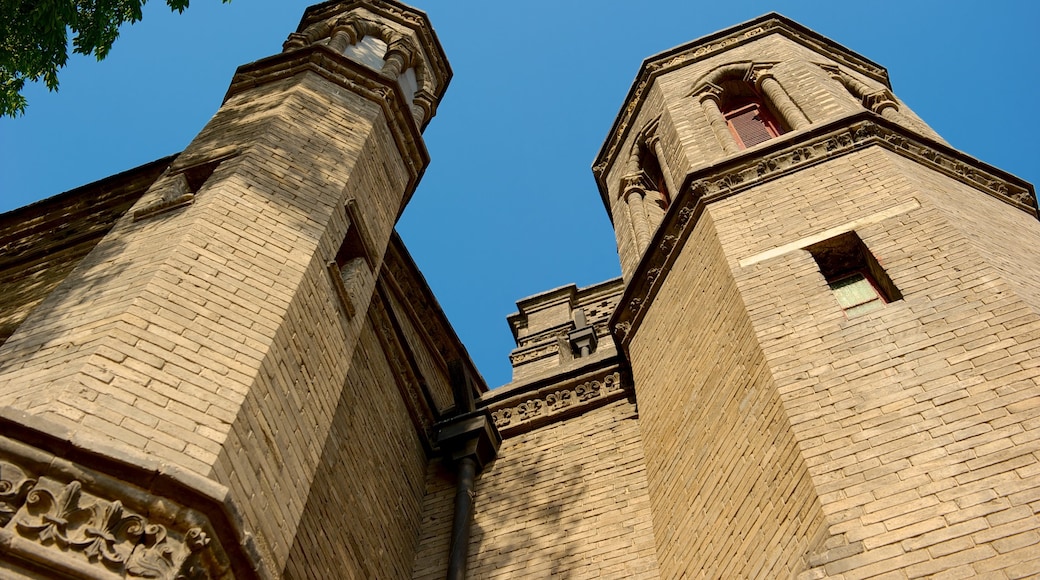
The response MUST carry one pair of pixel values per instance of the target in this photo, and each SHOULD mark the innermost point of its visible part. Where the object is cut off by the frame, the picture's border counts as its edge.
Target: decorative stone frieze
(785, 156)
(555, 402)
(536, 352)
(76, 526)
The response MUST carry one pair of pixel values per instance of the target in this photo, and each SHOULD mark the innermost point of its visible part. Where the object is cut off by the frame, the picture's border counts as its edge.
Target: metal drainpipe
(460, 526)
(470, 440)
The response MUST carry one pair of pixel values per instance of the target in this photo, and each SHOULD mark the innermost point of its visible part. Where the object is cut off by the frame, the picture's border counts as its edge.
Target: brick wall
(44, 241)
(567, 500)
(365, 503)
(918, 421)
(730, 494)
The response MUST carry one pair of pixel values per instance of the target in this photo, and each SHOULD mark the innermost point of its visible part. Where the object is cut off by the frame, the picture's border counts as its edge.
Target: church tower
(232, 342)
(830, 317)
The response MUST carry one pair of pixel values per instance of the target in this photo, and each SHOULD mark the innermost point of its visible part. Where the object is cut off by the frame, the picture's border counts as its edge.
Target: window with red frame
(751, 123)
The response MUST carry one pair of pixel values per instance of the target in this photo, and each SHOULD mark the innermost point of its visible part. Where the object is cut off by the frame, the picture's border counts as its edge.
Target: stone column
(634, 194)
(342, 37)
(763, 79)
(398, 56)
(654, 142)
(711, 99)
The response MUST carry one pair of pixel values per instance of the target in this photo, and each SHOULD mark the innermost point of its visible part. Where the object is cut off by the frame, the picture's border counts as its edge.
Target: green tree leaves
(34, 39)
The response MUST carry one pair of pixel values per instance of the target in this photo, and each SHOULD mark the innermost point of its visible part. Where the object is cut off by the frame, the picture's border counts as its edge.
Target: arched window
(748, 117)
(746, 105)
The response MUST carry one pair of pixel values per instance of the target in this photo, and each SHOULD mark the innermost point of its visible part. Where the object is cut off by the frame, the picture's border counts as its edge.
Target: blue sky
(508, 207)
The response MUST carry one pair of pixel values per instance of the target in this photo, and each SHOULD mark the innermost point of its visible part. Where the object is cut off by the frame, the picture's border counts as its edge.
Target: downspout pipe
(461, 524)
(469, 441)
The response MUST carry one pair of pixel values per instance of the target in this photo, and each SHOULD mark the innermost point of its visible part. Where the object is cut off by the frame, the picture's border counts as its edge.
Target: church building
(821, 360)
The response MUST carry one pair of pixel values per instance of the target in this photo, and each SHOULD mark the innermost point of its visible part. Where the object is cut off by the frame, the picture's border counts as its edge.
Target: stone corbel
(758, 72)
(879, 101)
(632, 183)
(707, 90)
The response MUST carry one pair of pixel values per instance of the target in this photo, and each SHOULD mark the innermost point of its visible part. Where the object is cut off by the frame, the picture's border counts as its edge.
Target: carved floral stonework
(720, 183)
(513, 415)
(76, 527)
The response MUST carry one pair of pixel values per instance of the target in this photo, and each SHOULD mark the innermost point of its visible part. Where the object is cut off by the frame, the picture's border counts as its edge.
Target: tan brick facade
(820, 360)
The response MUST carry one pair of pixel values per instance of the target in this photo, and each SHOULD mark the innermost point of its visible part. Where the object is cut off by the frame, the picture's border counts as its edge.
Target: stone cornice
(556, 399)
(355, 78)
(785, 155)
(708, 46)
(73, 503)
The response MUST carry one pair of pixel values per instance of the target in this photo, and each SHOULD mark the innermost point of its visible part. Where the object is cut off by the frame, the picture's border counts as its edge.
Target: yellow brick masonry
(197, 335)
(918, 422)
(568, 500)
(366, 500)
(730, 494)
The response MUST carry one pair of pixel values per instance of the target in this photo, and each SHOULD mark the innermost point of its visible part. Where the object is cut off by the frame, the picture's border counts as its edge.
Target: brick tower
(830, 318)
(821, 358)
(235, 339)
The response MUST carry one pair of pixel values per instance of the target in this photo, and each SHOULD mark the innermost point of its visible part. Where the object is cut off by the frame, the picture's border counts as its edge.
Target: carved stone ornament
(80, 528)
(880, 100)
(518, 414)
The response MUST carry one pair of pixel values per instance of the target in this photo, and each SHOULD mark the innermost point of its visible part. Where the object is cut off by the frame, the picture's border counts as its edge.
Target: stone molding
(110, 513)
(558, 401)
(785, 155)
(354, 77)
(698, 50)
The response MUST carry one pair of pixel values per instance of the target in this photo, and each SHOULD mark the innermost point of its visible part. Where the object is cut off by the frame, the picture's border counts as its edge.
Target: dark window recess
(858, 282)
(751, 124)
(351, 267)
(652, 169)
(197, 175)
(179, 189)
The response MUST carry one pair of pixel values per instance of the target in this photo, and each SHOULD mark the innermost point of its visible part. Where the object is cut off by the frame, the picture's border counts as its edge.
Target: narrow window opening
(197, 175)
(859, 283)
(351, 269)
(655, 175)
